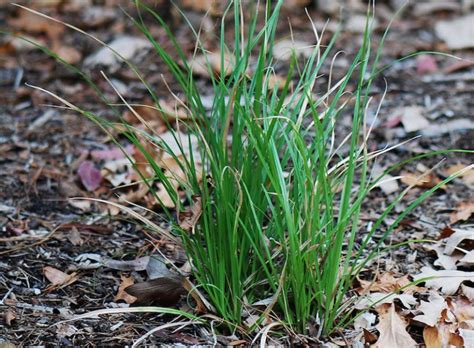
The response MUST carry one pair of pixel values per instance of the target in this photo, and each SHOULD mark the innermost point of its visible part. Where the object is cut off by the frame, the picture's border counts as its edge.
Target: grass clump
(278, 234)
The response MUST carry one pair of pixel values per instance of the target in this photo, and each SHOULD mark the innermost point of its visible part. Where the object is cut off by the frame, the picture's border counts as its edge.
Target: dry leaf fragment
(445, 261)
(387, 183)
(90, 176)
(448, 280)
(413, 119)
(296, 3)
(70, 54)
(457, 33)
(128, 47)
(467, 336)
(33, 23)
(426, 64)
(392, 329)
(467, 176)
(463, 212)
(428, 181)
(444, 334)
(125, 282)
(213, 7)
(58, 278)
(9, 316)
(283, 50)
(468, 292)
(467, 259)
(431, 309)
(388, 283)
(456, 238)
(171, 110)
(364, 321)
(459, 124)
(379, 298)
(211, 63)
(188, 218)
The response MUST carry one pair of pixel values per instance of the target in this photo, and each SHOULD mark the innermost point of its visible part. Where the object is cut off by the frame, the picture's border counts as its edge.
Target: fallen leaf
(128, 47)
(35, 24)
(213, 7)
(445, 261)
(427, 181)
(428, 8)
(431, 309)
(426, 64)
(65, 330)
(388, 184)
(9, 316)
(357, 23)
(467, 259)
(457, 238)
(378, 299)
(448, 280)
(90, 176)
(139, 264)
(468, 292)
(463, 212)
(202, 305)
(467, 176)
(388, 283)
(69, 54)
(188, 218)
(122, 294)
(95, 16)
(413, 119)
(392, 329)
(58, 278)
(296, 3)
(165, 291)
(284, 49)
(276, 81)
(156, 268)
(112, 153)
(457, 314)
(468, 337)
(365, 321)
(118, 172)
(211, 63)
(441, 336)
(457, 33)
(460, 124)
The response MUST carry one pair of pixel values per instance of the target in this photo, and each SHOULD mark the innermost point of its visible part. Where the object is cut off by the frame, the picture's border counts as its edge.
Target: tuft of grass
(279, 233)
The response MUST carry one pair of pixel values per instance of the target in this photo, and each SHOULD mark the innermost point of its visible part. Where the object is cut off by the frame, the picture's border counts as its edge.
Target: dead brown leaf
(392, 329)
(34, 24)
(413, 119)
(388, 283)
(122, 294)
(431, 310)
(441, 336)
(58, 278)
(205, 64)
(448, 280)
(213, 7)
(188, 218)
(427, 181)
(9, 316)
(465, 236)
(463, 212)
(467, 176)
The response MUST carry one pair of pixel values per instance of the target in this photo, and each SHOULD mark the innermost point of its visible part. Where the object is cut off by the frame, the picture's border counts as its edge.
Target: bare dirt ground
(60, 258)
